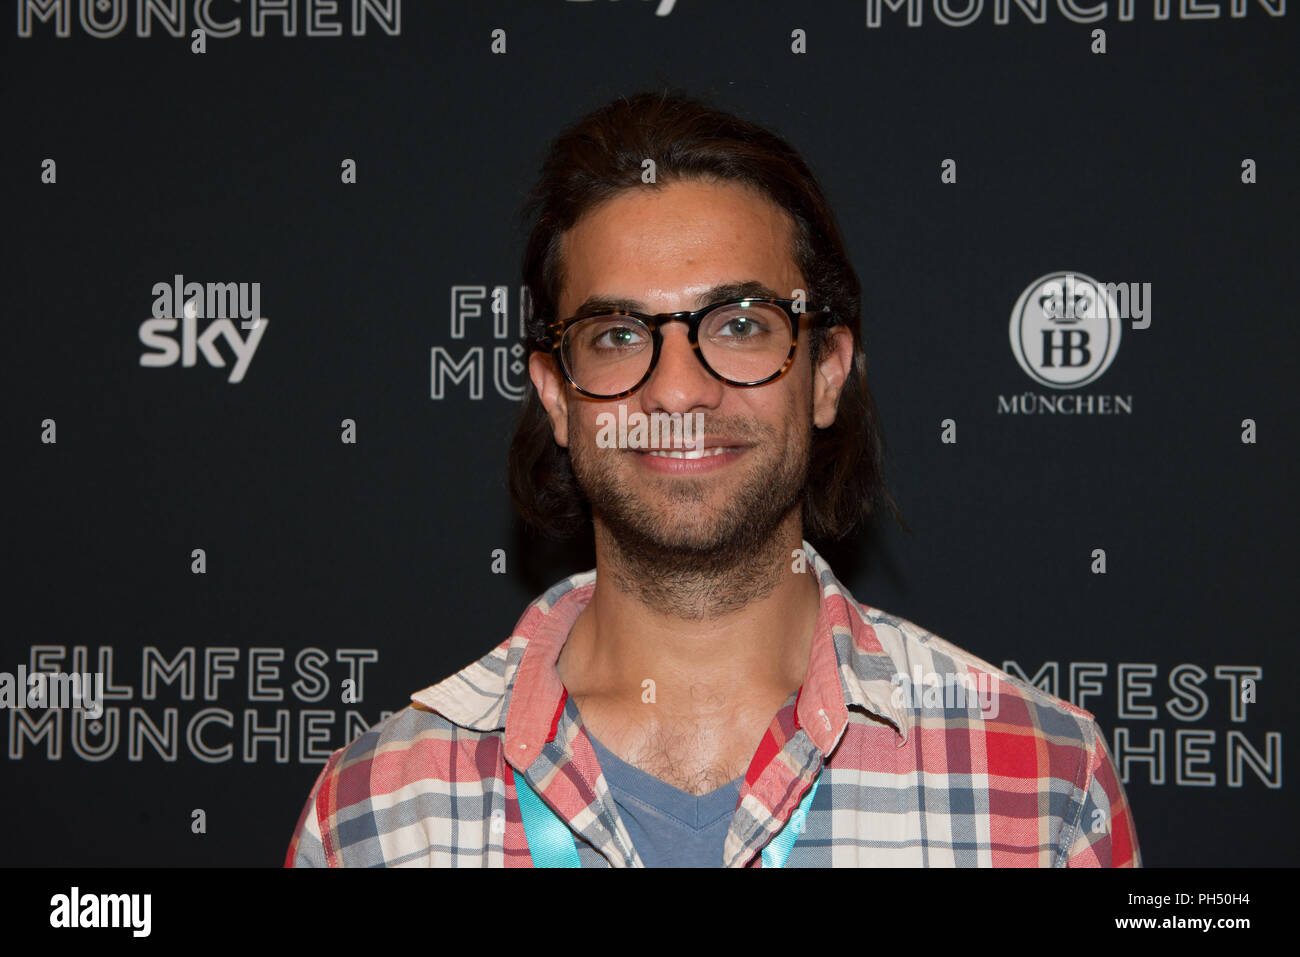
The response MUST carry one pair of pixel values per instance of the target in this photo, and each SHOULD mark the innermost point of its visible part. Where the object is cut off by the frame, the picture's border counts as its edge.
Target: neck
(712, 631)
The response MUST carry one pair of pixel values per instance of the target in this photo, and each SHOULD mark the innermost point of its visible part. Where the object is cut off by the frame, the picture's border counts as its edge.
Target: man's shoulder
(422, 740)
(415, 728)
(1022, 738)
(924, 658)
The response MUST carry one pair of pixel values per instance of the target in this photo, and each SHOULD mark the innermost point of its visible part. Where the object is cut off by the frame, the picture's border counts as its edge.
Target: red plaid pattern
(907, 781)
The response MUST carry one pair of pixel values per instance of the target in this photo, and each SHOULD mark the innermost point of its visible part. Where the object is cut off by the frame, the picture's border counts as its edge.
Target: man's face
(664, 247)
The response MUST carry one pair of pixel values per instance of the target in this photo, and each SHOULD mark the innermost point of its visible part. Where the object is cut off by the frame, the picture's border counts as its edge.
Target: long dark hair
(600, 156)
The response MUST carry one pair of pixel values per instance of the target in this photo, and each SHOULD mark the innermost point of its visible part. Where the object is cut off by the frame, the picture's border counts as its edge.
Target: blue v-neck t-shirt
(669, 827)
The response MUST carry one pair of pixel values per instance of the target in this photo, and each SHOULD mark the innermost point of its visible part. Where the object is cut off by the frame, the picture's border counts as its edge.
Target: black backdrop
(226, 166)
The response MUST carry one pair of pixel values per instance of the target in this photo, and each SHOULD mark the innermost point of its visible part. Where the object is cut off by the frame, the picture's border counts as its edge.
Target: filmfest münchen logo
(1065, 330)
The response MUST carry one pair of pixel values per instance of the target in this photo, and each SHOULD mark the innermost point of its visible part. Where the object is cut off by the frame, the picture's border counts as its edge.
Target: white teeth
(688, 453)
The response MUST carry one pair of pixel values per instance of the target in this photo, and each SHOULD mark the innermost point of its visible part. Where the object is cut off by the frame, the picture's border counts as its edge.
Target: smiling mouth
(689, 453)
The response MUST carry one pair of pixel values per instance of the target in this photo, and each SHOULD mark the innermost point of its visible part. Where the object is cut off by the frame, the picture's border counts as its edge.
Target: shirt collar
(516, 688)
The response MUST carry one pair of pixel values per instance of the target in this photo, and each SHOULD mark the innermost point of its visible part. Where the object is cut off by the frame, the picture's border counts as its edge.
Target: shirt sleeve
(1104, 834)
(306, 848)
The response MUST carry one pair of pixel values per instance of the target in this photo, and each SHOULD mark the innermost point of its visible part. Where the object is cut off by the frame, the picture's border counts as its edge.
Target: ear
(550, 385)
(830, 374)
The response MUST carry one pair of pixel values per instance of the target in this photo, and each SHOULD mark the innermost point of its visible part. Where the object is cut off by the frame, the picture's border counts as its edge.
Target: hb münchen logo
(1065, 329)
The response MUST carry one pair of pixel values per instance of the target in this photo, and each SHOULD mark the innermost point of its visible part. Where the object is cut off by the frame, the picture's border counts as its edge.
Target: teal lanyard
(551, 843)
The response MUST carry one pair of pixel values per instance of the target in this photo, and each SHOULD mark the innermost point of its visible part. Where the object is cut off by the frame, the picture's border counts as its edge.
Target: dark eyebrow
(746, 289)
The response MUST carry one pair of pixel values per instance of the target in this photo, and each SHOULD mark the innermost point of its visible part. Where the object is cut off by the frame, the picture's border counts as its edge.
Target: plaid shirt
(907, 779)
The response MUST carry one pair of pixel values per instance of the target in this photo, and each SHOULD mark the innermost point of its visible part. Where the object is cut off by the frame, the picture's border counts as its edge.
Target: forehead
(663, 245)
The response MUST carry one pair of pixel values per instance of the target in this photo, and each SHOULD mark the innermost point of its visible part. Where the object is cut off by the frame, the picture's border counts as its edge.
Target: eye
(742, 324)
(613, 335)
(619, 336)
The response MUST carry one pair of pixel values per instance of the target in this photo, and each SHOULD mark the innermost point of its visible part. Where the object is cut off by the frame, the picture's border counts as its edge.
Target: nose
(679, 383)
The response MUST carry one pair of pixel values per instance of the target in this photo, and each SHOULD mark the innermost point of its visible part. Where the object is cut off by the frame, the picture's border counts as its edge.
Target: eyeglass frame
(692, 317)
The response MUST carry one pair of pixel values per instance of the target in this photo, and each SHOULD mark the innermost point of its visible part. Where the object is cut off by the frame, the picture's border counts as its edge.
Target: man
(710, 695)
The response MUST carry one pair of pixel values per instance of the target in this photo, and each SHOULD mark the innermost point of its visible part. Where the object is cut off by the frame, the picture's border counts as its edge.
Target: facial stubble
(691, 558)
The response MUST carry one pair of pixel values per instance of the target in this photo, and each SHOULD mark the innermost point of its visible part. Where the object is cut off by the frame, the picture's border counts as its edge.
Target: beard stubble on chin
(690, 558)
